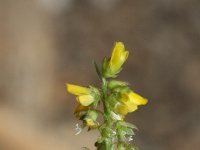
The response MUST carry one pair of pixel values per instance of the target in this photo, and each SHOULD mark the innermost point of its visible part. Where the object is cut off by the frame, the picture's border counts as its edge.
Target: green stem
(104, 95)
(107, 143)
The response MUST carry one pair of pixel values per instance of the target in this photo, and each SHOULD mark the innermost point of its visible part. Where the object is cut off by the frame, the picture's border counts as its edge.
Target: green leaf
(97, 70)
(128, 131)
(126, 124)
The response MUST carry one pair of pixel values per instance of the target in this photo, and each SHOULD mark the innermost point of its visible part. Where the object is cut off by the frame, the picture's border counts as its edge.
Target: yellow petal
(77, 90)
(131, 107)
(121, 109)
(117, 51)
(125, 55)
(85, 100)
(137, 99)
(125, 98)
(130, 104)
(119, 56)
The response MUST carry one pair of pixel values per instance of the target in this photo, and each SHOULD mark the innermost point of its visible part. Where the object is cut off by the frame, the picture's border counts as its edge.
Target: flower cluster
(87, 98)
(117, 98)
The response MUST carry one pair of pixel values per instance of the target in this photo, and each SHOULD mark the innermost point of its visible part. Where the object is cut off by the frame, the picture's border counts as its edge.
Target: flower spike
(117, 100)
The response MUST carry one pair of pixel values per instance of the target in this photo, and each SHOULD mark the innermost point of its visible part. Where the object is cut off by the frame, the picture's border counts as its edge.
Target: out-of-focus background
(47, 43)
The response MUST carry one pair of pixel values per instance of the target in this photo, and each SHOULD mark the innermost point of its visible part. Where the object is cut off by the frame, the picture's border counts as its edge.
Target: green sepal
(126, 124)
(92, 114)
(123, 132)
(107, 133)
(116, 83)
(115, 116)
(96, 94)
(121, 89)
(127, 131)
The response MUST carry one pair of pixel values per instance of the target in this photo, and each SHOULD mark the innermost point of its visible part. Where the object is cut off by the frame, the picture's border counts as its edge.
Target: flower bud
(112, 66)
(85, 96)
(90, 119)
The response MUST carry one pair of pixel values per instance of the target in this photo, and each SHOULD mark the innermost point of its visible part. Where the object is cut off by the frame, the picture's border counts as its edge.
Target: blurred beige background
(47, 43)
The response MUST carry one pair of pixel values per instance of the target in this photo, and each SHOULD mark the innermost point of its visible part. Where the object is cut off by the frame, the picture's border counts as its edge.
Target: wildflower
(129, 102)
(105, 108)
(85, 96)
(118, 57)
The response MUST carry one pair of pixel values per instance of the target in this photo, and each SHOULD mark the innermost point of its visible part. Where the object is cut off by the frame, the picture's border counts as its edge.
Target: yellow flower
(84, 96)
(118, 57)
(129, 102)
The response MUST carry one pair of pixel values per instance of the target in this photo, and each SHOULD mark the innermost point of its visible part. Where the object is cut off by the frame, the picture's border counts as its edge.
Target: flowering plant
(117, 100)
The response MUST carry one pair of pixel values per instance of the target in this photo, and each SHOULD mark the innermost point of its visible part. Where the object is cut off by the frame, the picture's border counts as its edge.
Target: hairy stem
(107, 143)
